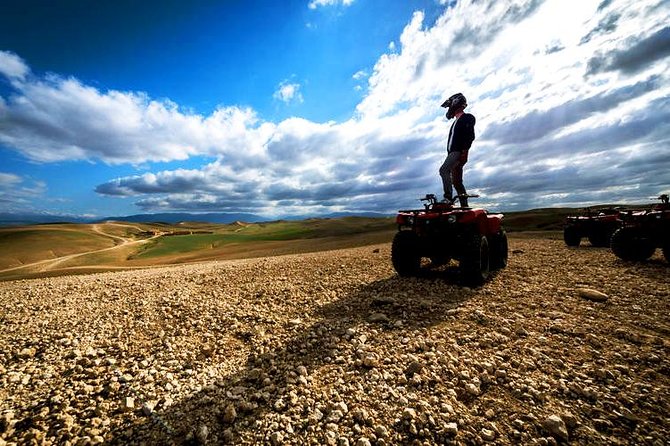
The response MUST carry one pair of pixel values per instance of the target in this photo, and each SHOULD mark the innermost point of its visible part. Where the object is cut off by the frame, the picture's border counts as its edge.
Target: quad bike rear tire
(571, 236)
(499, 250)
(475, 261)
(438, 260)
(630, 244)
(405, 254)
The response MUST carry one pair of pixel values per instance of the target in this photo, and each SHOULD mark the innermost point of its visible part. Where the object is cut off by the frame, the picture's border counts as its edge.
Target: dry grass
(55, 250)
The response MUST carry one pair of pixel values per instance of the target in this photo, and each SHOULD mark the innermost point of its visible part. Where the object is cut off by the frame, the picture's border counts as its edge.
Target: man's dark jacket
(464, 133)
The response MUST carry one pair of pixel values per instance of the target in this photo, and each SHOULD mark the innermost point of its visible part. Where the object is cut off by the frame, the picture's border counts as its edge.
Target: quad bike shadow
(274, 375)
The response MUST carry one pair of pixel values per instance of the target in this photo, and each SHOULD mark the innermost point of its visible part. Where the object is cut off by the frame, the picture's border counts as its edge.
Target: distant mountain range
(9, 219)
(551, 216)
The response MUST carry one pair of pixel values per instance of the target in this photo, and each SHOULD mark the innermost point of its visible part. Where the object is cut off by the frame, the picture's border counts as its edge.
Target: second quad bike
(596, 225)
(441, 232)
(643, 231)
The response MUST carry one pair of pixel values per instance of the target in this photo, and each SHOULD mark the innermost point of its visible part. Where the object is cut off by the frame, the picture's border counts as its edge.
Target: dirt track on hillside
(334, 348)
(42, 266)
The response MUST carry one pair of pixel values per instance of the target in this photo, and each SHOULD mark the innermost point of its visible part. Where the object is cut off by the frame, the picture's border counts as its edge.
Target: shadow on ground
(267, 381)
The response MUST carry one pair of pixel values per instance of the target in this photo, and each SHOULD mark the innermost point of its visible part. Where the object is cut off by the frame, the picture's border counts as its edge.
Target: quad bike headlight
(451, 219)
(410, 220)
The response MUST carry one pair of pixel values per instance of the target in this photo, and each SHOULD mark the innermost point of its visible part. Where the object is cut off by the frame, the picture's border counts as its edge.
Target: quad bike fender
(485, 223)
(472, 216)
(494, 223)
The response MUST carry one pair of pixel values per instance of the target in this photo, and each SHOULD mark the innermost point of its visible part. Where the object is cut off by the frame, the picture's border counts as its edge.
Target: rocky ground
(334, 348)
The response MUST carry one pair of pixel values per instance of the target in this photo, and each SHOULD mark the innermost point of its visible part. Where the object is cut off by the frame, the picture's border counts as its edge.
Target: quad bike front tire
(405, 254)
(571, 236)
(475, 260)
(630, 244)
(499, 250)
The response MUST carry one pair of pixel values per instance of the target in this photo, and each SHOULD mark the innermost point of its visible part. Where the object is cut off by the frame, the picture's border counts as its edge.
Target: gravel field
(334, 348)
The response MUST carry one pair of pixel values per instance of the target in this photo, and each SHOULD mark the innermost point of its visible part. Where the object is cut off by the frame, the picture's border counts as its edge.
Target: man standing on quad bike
(461, 135)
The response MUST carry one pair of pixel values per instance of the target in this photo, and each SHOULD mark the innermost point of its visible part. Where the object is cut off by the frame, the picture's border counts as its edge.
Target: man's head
(455, 104)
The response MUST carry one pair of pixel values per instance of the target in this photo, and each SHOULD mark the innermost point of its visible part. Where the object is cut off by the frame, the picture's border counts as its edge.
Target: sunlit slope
(231, 240)
(42, 250)
(54, 249)
(23, 245)
(39, 248)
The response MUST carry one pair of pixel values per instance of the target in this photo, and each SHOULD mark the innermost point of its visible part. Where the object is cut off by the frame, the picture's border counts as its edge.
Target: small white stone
(409, 414)
(472, 389)
(128, 403)
(202, 433)
(488, 434)
(451, 428)
(556, 427)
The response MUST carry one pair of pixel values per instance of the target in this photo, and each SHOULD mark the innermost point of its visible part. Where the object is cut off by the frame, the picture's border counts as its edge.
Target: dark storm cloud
(638, 130)
(605, 26)
(484, 35)
(609, 175)
(329, 191)
(636, 57)
(529, 179)
(387, 148)
(554, 49)
(604, 4)
(650, 169)
(610, 163)
(178, 181)
(194, 203)
(385, 166)
(538, 124)
(151, 185)
(320, 197)
(469, 39)
(596, 181)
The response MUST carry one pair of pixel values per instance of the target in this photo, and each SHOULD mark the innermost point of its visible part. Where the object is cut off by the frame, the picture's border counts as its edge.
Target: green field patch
(180, 244)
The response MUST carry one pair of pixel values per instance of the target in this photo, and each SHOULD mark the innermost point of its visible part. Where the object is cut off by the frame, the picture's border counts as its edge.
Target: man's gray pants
(452, 173)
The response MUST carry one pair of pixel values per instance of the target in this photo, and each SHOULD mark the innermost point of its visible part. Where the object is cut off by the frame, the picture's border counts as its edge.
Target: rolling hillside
(59, 248)
(55, 249)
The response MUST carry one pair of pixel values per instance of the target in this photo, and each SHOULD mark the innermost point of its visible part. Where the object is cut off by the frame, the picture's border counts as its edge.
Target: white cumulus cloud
(288, 92)
(12, 66)
(576, 114)
(313, 4)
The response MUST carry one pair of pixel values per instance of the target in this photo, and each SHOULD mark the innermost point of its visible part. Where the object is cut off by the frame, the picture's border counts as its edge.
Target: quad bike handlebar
(432, 199)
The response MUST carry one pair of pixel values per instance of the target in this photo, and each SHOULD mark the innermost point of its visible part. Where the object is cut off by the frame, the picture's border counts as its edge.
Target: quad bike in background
(441, 232)
(596, 225)
(643, 231)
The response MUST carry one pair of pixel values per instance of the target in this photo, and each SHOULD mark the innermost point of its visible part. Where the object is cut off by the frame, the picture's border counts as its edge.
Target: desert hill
(66, 248)
(78, 248)
(334, 348)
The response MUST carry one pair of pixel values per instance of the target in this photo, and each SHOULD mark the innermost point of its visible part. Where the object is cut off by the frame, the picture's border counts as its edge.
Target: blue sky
(316, 106)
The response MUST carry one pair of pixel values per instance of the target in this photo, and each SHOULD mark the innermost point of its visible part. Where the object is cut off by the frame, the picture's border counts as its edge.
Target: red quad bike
(597, 225)
(643, 231)
(442, 232)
